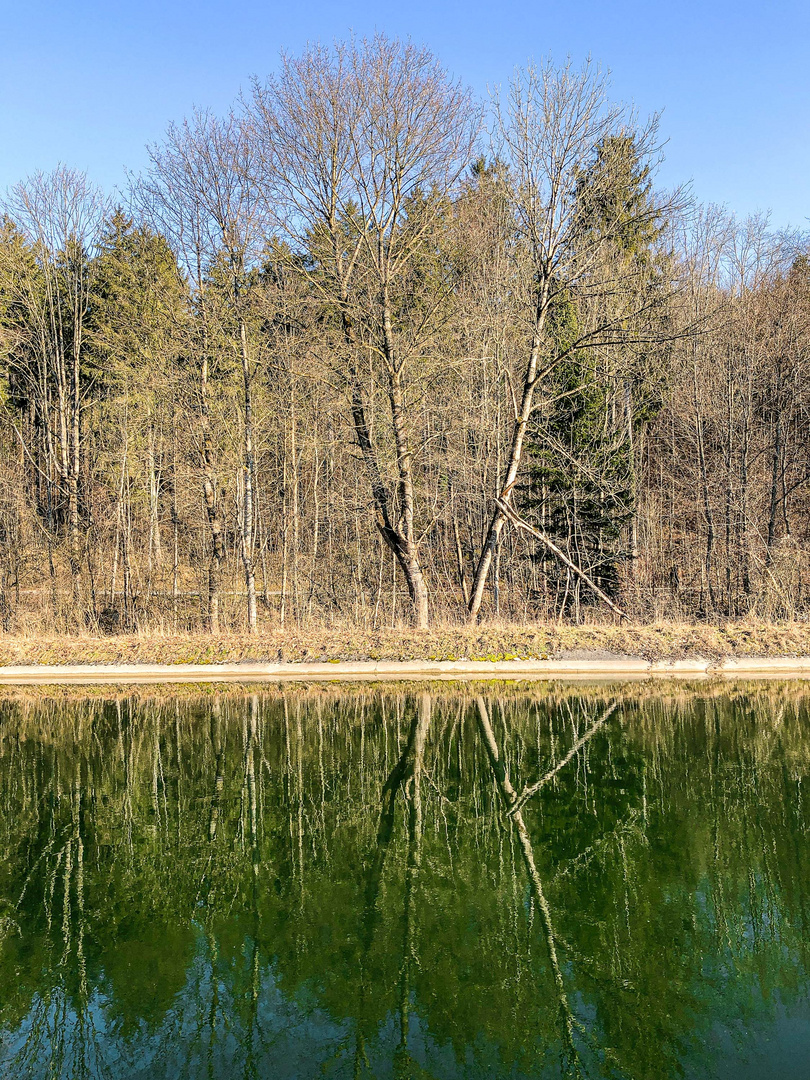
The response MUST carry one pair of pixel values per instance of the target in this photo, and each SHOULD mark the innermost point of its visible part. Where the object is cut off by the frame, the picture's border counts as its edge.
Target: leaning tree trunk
(499, 516)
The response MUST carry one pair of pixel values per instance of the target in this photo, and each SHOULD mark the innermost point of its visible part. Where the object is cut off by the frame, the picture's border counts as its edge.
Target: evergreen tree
(137, 325)
(582, 484)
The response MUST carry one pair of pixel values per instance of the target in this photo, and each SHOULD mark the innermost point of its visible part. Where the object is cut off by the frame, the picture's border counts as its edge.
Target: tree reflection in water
(532, 881)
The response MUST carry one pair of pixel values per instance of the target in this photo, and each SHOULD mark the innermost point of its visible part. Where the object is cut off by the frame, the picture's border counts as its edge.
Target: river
(460, 881)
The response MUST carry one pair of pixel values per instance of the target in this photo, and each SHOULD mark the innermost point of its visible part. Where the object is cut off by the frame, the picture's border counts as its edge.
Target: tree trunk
(774, 502)
(402, 544)
(704, 481)
(73, 481)
(407, 549)
(462, 572)
(247, 486)
(211, 508)
(515, 454)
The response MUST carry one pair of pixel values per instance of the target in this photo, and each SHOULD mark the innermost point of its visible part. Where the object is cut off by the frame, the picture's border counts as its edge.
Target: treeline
(363, 350)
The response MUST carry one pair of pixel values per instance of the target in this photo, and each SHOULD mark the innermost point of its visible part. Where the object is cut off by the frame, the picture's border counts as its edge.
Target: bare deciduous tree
(547, 132)
(61, 216)
(202, 191)
(363, 143)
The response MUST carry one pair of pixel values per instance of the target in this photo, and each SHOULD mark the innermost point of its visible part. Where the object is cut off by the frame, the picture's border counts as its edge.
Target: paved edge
(785, 667)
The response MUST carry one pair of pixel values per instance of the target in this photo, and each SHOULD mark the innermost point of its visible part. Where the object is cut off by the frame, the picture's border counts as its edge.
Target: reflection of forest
(306, 882)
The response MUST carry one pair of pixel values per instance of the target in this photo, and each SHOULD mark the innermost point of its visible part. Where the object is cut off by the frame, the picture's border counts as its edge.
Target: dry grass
(484, 642)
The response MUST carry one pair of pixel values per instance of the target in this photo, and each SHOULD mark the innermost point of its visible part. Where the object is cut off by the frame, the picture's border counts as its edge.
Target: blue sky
(89, 83)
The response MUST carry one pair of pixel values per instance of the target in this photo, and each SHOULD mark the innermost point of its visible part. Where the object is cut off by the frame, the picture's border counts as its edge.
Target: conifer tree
(582, 480)
(138, 318)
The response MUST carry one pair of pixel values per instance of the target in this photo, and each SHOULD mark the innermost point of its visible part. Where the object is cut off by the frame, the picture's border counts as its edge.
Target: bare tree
(201, 191)
(363, 143)
(547, 132)
(61, 215)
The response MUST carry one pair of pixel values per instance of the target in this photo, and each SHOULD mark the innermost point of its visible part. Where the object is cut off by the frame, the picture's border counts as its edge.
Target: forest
(367, 349)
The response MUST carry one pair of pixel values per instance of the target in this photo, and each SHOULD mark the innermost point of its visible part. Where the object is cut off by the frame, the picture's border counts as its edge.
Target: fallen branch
(506, 509)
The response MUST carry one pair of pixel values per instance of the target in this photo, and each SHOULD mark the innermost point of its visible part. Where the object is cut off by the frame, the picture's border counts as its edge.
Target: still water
(531, 882)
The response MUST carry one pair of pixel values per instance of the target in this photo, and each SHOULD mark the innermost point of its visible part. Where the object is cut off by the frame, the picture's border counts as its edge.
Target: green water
(386, 883)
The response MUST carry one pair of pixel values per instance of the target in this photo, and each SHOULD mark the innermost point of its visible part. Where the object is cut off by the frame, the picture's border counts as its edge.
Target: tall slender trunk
(154, 553)
(296, 506)
(408, 555)
(402, 541)
(743, 539)
(316, 519)
(210, 498)
(462, 571)
(73, 478)
(247, 538)
(499, 517)
(704, 483)
(175, 525)
(284, 540)
(633, 482)
(775, 462)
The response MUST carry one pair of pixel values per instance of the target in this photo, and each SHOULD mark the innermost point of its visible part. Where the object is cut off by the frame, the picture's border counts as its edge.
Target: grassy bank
(487, 642)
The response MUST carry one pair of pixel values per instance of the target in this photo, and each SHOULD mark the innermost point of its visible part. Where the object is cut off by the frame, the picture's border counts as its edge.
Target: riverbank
(698, 648)
(610, 669)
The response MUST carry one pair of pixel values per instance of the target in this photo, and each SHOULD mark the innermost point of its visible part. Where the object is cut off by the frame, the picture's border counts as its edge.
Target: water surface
(532, 882)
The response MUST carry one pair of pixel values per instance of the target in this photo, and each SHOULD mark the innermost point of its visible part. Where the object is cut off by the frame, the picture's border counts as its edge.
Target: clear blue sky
(89, 83)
